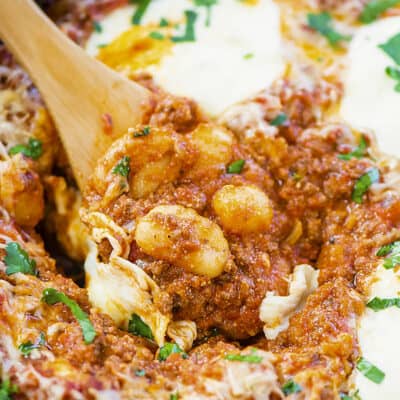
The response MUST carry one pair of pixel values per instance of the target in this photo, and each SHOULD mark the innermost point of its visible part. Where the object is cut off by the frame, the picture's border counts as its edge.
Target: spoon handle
(80, 92)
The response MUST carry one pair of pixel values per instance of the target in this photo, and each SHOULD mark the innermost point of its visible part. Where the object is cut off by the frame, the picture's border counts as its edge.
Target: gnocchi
(184, 238)
(243, 209)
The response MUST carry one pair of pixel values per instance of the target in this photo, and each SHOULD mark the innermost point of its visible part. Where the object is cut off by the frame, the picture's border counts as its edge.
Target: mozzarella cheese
(227, 62)
(379, 334)
(370, 100)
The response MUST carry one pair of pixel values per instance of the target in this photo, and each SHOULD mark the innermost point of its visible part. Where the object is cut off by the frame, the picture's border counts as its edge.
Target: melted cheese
(214, 69)
(370, 100)
(379, 334)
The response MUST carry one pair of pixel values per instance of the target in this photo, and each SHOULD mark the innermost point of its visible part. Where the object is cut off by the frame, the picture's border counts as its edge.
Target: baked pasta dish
(243, 241)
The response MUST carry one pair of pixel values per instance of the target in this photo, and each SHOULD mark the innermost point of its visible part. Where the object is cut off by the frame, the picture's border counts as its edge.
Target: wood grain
(82, 94)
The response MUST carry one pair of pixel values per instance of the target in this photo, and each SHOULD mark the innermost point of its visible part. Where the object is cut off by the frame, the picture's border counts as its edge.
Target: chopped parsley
(391, 250)
(32, 150)
(354, 396)
(370, 371)
(140, 372)
(322, 23)
(27, 347)
(236, 167)
(252, 358)
(142, 6)
(163, 23)
(279, 120)
(52, 296)
(392, 48)
(174, 396)
(156, 35)
(122, 168)
(168, 349)
(208, 4)
(394, 73)
(378, 304)
(363, 183)
(17, 260)
(248, 56)
(189, 35)
(291, 387)
(143, 132)
(137, 327)
(358, 152)
(375, 8)
(102, 45)
(7, 389)
(97, 27)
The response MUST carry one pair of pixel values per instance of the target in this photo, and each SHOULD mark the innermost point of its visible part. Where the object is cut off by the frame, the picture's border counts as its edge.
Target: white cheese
(379, 334)
(370, 100)
(213, 69)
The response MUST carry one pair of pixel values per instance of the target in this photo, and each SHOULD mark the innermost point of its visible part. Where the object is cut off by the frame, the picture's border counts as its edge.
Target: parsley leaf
(358, 152)
(248, 56)
(378, 304)
(52, 296)
(141, 9)
(144, 132)
(168, 349)
(17, 260)
(208, 4)
(392, 48)
(189, 35)
(322, 23)
(7, 389)
(236, 167)
(27, 347)
(354, 396)
(32, 150)
(393, 250)
(375, 8)
(97, 27)
(156, 35)
(122, 168)
(279, 120)
(174, 396)
(249, 358)
(394, 73)
(369, 370)
(140, 372)
(291, 387)
(163, 23)
(363, 183)
(137, 327)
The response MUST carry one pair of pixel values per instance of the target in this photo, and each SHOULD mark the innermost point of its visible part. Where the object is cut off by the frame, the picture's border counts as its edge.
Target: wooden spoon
(87, 100)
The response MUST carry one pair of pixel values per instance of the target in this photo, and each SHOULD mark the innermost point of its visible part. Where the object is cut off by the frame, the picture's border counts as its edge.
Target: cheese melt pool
(237, 55)
(370, 100)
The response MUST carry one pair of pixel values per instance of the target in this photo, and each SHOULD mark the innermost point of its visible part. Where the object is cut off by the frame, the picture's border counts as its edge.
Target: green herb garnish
(144, 132)
(174, 396)
(32, 150)
(137, 327)
(140, 10)
(97, 27)
(236, 167)
(369, 370)
(17, 260)
(122, 168)
(291, 387)
(394, 73)
(354, 396)
(363, 183)
(393, 251)
(378, 304)
(156, 35)
(189, 35)
(27, 347)
(322, 23)
(208, 4)
(168, 349)
(249, 358)
(7, 389)
(52, 296)
(392, 48)
(248, 56)
(375, 8)
(163, 23)
(279, 120)
(358, 152)
(140, 372)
